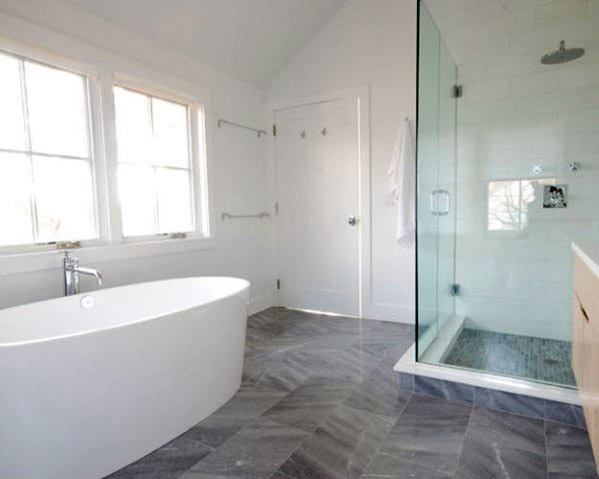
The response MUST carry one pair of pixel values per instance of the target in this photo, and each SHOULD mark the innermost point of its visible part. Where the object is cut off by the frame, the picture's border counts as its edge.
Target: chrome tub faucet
(72, 270)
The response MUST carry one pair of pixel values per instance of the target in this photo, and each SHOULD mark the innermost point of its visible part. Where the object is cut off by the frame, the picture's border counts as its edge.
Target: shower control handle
(352, 220)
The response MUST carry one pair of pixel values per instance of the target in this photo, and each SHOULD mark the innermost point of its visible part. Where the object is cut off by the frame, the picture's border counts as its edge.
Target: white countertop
(588, 251)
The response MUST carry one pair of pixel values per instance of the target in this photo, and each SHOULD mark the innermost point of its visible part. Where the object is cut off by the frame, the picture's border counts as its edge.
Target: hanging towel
(402, 172)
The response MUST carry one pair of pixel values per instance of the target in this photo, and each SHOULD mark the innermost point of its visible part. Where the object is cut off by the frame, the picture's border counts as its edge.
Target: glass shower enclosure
(437, 109)
(508, 163)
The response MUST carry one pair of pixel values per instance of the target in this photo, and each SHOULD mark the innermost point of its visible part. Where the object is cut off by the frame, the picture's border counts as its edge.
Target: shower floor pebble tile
(320, 400)
(522, 356)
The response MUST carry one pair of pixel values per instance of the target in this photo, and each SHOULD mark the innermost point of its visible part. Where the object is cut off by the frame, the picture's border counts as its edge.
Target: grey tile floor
(542, 359)
(319, 400)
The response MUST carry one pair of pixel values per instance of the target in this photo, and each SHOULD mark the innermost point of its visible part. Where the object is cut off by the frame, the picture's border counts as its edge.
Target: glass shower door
(436, 183)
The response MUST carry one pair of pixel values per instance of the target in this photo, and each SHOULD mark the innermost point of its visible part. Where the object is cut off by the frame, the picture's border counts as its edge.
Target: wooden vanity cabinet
(585, 345)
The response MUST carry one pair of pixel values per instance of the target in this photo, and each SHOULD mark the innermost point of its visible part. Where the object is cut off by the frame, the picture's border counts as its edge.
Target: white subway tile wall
(517, 113)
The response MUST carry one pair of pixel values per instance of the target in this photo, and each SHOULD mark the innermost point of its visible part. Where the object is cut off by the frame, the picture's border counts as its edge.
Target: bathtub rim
(244, 287)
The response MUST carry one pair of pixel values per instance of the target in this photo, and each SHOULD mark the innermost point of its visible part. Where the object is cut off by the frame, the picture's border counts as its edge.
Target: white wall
(243, 248)
(516, 113)
(369, 43)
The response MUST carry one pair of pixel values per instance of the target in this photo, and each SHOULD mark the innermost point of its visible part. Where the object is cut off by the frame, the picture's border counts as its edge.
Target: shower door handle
(434, 210)
(436, 195)
(446, 195)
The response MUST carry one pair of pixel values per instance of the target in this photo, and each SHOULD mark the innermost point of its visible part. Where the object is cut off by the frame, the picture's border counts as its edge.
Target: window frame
(89, 74)
(196, 135)
(111, 245)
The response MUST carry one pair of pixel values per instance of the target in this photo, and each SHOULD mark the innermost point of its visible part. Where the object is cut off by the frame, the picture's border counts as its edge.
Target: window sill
(43, 260)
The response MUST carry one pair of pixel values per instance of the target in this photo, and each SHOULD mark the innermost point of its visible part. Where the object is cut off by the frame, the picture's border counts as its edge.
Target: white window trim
(196, 136)
(111, 245)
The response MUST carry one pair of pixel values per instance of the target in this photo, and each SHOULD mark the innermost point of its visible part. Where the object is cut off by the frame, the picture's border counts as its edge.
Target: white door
(318, 195)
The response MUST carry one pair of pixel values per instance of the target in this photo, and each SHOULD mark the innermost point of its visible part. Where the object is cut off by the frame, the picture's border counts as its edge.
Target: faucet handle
(69, 260)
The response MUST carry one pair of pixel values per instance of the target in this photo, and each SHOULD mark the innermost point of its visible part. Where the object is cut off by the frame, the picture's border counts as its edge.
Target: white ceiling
(249, 39)
(478, 31)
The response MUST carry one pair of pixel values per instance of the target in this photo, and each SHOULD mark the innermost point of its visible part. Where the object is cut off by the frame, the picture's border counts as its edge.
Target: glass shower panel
(428, 135)
(446, 286)
(436, 183)
(519, 149)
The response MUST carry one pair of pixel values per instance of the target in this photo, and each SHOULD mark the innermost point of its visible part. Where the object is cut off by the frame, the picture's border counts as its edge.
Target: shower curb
(512, 395)
(538, 408)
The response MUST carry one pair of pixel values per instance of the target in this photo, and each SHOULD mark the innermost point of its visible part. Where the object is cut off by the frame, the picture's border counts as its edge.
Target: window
(46, 170)
(155, 174)
(87, 158)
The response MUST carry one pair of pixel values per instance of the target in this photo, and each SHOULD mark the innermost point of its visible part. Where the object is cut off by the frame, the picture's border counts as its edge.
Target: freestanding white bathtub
(92, 382)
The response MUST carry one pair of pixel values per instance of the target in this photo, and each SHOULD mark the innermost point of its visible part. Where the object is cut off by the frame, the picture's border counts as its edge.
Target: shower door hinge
(458, 91)
(274, 130)
(278, 284)
(454, 289)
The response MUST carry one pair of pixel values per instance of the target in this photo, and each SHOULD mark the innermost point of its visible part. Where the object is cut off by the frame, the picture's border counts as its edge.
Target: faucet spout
(72, 270)
(90, 272)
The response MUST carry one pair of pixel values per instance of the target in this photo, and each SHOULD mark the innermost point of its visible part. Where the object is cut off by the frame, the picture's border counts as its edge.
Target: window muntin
(155, 173)
(46, 173)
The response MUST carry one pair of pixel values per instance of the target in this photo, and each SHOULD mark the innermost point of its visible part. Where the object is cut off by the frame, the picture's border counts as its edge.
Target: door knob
(353, 221)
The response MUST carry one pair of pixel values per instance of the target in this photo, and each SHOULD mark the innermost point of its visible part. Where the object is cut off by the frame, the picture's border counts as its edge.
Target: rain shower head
(562, 55)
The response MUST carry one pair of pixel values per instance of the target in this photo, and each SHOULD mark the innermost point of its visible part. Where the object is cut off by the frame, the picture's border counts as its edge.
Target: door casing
(360, 96)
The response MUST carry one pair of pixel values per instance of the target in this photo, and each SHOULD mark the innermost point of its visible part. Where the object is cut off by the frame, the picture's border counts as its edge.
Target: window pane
(12, 126)
(174, 201)
(133, 128)
(15, 200)
(64, 199)
(170, 133)
(57, 104)
(136, 195)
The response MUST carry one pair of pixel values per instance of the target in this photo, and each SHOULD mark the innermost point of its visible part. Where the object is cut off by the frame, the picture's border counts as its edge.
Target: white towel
(402, 172)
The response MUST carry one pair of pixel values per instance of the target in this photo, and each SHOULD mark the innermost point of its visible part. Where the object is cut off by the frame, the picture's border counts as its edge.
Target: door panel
(318, 190)
(437, 115)
(428, 177)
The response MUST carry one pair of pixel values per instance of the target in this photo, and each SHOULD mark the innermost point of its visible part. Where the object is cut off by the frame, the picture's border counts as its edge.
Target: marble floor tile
(571, 414)
(340, 448)
(320, 400)
(430, 432)
(353, 364)
(168, 462)
(379, 393)
(569, 451)
(496, 427)
(493, 460)
(386, 467)
(509, 402)
(288, 371)
(311, 403)
(254, 452)
(246, 405)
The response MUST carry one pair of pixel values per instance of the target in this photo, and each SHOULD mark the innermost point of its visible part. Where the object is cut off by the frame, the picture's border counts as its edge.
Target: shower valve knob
(353, 221)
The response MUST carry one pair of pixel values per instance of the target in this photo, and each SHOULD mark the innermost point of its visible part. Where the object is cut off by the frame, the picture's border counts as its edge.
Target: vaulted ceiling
(249, 39)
